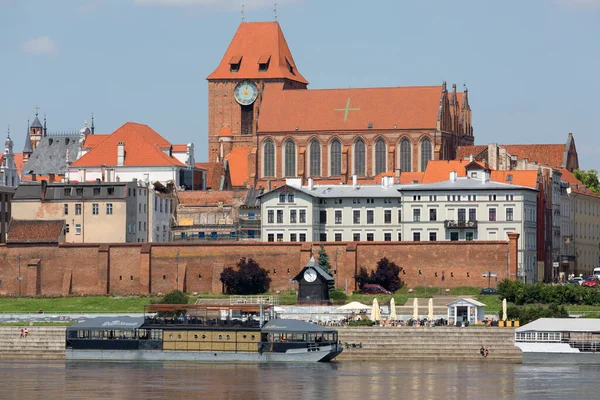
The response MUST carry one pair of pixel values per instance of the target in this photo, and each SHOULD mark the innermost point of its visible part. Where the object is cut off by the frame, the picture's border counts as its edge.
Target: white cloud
(227, 4)
(42, 45)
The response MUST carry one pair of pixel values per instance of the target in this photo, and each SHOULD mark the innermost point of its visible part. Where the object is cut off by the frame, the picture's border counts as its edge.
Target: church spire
(27, 149)
(45, 128)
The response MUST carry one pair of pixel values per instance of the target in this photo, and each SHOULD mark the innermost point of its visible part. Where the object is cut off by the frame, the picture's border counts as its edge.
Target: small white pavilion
(465, 310)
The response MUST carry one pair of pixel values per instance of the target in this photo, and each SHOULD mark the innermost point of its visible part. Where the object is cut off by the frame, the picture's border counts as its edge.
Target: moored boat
(202, 333)
(560, 341)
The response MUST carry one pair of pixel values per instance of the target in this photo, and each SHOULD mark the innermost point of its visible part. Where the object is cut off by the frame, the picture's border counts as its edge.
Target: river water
(342, 380)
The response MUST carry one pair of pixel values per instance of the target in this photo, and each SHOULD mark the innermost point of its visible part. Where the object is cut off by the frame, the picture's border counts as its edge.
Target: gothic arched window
(315, 158)
(269, 158)
(336, 158)
(425, 153)
(380, 165)
(359, 157)
(405, 155)
(290, 159)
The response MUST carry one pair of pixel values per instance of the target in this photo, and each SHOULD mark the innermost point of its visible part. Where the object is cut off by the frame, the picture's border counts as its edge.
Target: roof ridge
(167, 157)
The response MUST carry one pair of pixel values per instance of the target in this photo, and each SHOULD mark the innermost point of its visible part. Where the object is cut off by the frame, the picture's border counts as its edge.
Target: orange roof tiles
(466, 151)
(527, 178)
(225, 131)
(550, 155)
(19, 163)
(142, 148)
(205, 199)
(214, 171)
(180, 148)
(349, 109)
(92, 141)
(254, 42)
(568, 177)
(439, 170)
(407, 178)
(238, 166)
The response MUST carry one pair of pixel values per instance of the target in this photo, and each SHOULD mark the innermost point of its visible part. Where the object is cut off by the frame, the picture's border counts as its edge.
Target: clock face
(245, 93)
(310, 275)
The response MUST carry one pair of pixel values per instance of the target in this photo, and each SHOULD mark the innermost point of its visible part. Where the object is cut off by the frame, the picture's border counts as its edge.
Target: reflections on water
(340, 380)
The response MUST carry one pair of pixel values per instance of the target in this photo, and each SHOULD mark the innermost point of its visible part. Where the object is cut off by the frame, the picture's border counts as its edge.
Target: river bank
(360, 343)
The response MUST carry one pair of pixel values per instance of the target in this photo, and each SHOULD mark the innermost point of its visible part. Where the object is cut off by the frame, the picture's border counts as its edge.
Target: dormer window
(290, 66)
(263, 63)
(235, 63)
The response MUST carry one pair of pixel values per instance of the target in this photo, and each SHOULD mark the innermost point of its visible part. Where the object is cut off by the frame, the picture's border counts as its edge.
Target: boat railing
(254, 299)
(200, 322)
(584, 346)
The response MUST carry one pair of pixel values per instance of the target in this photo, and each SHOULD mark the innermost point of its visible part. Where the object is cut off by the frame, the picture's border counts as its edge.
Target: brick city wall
(195, 267)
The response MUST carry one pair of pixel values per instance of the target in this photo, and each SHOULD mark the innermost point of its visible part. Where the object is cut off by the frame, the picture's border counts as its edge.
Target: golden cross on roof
(346, 109)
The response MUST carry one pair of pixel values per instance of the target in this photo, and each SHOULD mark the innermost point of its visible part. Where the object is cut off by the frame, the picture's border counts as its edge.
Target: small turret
(93, 128)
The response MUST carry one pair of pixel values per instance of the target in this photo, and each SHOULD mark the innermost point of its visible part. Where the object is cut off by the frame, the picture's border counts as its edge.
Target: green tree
(589, 178)
(175, 297)
(387, 274)
(323, 259)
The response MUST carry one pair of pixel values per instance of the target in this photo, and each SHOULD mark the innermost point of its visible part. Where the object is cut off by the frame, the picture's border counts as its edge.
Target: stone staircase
(429, 344)
(43, 342)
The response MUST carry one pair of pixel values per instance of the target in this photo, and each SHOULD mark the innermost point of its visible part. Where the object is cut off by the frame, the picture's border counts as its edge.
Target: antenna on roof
(275, 11)
(242, 13)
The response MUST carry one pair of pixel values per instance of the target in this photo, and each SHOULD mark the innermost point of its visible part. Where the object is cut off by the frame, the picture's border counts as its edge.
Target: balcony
(453, 224)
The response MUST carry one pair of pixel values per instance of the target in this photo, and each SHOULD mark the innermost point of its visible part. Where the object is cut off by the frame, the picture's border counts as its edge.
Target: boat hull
(555, 353)
(323, 354)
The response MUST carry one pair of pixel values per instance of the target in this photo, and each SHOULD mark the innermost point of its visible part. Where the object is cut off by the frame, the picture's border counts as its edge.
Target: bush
(387, 274)
(521, 293)
(361, 323)
(337, 295)
(175, 297)
(249, 278)
(527, 314)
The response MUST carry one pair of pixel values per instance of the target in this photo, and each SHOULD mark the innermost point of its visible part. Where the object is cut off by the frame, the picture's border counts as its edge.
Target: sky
(531, 66)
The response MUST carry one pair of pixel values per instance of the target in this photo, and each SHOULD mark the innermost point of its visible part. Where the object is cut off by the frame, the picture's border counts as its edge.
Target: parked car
(370, 288)
(591, 282)
(489, 291)
(579, 280)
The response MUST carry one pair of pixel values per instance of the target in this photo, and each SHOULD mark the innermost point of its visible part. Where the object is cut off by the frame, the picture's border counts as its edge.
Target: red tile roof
(410, 177)
(466, 151)
(439, 170)
(180, 148)
(238, 166)
(205, 199)
(568, 177)
(214, 171)
(19, 163)
(142, 148)
(225, 131)
(92, 141)
(256, 41)
(520, 178)
(35, 231)
(325, 109)
(549, 155)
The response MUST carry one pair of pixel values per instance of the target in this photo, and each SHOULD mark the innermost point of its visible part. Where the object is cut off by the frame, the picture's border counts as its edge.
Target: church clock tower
(257, 55)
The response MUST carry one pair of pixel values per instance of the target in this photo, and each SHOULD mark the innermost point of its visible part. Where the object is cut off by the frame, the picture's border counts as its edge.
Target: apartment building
(96, 212)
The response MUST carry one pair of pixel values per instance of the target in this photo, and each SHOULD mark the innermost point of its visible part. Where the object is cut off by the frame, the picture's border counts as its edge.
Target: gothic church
(268, 126)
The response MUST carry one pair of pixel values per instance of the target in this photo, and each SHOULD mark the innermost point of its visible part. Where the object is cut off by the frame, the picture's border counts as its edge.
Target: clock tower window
(247, 119)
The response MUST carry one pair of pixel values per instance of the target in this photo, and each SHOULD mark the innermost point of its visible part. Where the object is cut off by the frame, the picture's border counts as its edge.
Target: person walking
(485, 353)
(482, 351)
(26, 333)
(22, 333)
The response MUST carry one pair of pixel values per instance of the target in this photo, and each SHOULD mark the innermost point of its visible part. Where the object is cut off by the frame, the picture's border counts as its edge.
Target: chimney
(43, 191)
(485, 177)
(470, 157)
(453, 176)
(82, 175)
(310, 183)
(354, 180)
(120, 154)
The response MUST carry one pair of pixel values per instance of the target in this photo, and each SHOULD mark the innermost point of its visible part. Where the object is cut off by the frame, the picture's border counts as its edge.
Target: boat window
(220, 337)
(244, 336)
(252, 337)
(179, 336)
(195, 337)
(170, 336)
(203, 336)
(227, 337)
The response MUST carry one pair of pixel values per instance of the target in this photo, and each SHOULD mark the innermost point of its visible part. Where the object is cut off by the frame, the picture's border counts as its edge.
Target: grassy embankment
(135, 304)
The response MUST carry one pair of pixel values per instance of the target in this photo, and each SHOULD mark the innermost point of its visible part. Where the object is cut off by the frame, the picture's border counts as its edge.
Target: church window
(405, 155)
(336, 158)
(380, 157)
(315, 158)
(359, 157)
(234, 63)
(290, 159)
(425, 153)
(247, 119)
(269, 158)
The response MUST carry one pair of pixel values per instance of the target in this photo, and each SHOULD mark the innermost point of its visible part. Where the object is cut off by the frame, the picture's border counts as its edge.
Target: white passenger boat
(560, 341)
